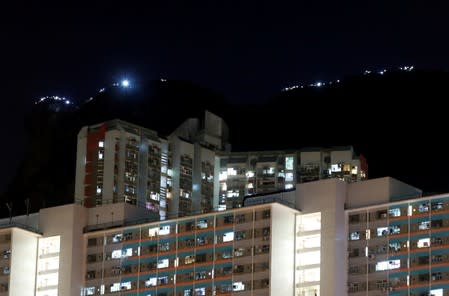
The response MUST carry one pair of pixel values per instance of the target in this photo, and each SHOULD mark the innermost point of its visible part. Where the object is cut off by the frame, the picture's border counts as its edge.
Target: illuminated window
(100, 155)
(163, 280)
(127, 252)
(125, 286)
(223, 186)
(289, 177)
(116, 254)
(396, 212)
(101, 144)
(288, 186)
(309, 275)
(189, 259)
(336, 168)
(268, 171)
(437, 205)
(201, 224)
(436, 292)
(422, 208)
(223, 176)
(154, 196)
(115, 287)
(163, 169)
(289, 162)
(164, 246)
(310, 222)
(238, 286)
(117, 238)
(200, 291)
(6, 270)
(311, 241)
(354, 235)
(152, 232)
(228, 237)
(164, 230)
(231, 172)
(395, 229)
(395, 247)
(382, 231)
(310, 258)
(239, 252)
(424, 225)
(388, 265)
(90, 291)
(151, 282)
(6, 254)
(162, 263)
(249, 174)
(423, 243)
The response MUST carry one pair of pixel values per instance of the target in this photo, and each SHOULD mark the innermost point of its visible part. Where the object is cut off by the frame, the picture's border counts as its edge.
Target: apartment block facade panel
(121, 162)
(226, 253)
(400, 248)
(261, 172)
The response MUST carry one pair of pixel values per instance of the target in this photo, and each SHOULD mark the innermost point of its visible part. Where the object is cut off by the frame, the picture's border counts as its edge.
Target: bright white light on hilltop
(125, 82)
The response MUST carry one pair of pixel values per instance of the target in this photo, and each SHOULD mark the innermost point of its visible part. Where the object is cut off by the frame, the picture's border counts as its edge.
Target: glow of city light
(125, 83)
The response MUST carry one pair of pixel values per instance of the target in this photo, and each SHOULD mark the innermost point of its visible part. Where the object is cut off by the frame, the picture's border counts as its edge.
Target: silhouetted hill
(47, 173)
(397, 120)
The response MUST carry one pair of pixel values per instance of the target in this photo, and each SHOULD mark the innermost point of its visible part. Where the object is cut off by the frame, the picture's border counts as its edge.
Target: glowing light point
(125, 82)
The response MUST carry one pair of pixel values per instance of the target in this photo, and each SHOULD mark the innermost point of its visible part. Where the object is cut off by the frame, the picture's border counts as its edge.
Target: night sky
(245, 50)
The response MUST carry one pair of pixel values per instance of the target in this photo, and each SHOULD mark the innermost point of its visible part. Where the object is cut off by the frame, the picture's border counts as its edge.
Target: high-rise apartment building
(122, 162)
(376, 237)
(247, 173)
(192, 170)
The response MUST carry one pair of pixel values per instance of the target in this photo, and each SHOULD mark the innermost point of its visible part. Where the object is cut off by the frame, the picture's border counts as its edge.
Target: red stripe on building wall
(93, 137)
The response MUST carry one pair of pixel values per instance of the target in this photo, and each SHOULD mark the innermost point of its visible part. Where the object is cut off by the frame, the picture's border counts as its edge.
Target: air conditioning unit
(371, 256)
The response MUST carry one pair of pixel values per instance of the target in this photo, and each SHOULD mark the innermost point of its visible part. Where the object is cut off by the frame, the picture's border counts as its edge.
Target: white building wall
(328, 197)
(341, 156)
(400, 190)
(68, 222)
(310, 157)
(31, 220)
(23, 262)
(369, 192)
(80, 165)
(282, 251)
(115, 213)
(378, 191)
